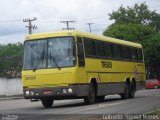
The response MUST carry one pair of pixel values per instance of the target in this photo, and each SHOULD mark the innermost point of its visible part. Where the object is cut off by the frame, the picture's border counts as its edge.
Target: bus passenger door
(81, 61)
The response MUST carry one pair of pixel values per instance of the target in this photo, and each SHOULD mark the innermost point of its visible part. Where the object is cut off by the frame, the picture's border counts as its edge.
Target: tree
(139, 14)
(141, 25)
(129, 31)
(11, 60)
(152, 55)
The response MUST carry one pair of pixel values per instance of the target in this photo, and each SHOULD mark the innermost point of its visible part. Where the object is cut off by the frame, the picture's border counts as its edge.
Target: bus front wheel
(90, 99)
(47, 103)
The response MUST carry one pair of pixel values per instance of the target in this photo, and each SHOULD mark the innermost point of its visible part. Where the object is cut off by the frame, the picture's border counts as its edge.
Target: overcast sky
(49, 13)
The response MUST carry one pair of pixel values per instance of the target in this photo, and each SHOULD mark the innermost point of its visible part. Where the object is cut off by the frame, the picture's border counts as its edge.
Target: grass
(155, 112)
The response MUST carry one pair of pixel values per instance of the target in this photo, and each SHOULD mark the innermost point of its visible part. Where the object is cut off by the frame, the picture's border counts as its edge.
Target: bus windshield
(56, 52)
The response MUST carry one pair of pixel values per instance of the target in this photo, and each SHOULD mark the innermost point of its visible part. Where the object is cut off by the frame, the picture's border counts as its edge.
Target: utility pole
(89, 24)
(30, 26)
(67, 23)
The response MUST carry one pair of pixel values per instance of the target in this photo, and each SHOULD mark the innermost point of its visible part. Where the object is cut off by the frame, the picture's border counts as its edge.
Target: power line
(30, 26)
(95, 18)
(10, 20)
(67, 23)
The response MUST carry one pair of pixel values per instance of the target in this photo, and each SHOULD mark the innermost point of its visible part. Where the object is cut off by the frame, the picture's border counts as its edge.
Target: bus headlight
(64, 91)
(70, 90)
(67, 90)
(27, 92)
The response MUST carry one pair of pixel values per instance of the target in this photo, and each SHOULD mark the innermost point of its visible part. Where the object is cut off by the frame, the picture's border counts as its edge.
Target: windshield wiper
(55, 62)
(34, 69)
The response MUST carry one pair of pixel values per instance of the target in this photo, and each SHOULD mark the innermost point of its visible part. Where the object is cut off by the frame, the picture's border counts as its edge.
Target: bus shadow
(81, 104)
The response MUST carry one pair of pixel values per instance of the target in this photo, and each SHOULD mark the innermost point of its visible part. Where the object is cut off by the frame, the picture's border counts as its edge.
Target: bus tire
(132, 90)
(100, 98)
(125, 95)
(47, 103)
(90, 99)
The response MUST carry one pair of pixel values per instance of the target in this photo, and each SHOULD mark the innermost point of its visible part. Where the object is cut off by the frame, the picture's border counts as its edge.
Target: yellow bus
(74, 64)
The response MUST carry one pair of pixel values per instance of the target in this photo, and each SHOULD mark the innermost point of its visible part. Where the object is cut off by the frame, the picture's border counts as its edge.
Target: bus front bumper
(74, 91)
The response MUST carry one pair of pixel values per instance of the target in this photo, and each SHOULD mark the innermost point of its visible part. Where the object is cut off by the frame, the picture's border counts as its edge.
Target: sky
(49, 13)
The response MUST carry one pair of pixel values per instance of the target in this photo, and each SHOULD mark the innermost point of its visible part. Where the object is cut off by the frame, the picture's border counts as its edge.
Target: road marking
(111, 104)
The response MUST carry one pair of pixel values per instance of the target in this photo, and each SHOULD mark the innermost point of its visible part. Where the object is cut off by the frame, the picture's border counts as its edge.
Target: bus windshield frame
(55, 52)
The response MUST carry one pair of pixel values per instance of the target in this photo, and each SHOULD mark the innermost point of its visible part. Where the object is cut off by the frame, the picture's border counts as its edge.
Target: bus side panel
(110, 88)
(81, 82)
(111, 79)
(108, 77)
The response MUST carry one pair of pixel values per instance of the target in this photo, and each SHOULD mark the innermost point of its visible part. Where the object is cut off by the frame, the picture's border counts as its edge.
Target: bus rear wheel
(90, 99)
(100, 98)
(132, 90)
(47, 103)
(125, 95)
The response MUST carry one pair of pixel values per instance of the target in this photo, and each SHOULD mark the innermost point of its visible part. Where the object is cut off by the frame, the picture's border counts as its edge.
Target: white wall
(10, 86)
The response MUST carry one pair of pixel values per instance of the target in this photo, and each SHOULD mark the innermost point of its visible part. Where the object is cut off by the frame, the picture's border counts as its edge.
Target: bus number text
(106, 64)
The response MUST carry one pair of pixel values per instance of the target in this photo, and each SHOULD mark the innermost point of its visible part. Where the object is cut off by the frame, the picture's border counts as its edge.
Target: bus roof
(81, 34)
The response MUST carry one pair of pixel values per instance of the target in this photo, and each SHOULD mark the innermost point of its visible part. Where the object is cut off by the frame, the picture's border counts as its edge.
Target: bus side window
(81, 60)
(116, 51)
(128, 53)
(89, 45)
(140, 56)
(133, 54)
(125, 53)
(100, 50)
(108, 50)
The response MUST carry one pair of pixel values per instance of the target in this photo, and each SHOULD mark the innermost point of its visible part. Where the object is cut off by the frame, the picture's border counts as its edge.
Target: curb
(5, 97)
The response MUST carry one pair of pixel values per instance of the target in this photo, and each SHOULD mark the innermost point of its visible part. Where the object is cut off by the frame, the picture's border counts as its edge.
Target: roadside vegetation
(11, 60)
(155, 112)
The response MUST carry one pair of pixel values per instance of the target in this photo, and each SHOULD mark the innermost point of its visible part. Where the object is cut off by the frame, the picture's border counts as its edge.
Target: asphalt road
(144, 102)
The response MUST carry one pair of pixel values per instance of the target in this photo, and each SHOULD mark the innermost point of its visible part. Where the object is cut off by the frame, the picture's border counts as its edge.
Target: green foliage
(141, 25)
(139, 14)
(129, 31)
(11, 60)
(152, 55)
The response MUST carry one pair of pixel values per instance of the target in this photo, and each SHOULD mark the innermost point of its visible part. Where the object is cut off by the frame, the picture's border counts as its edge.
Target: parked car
(152, 84)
